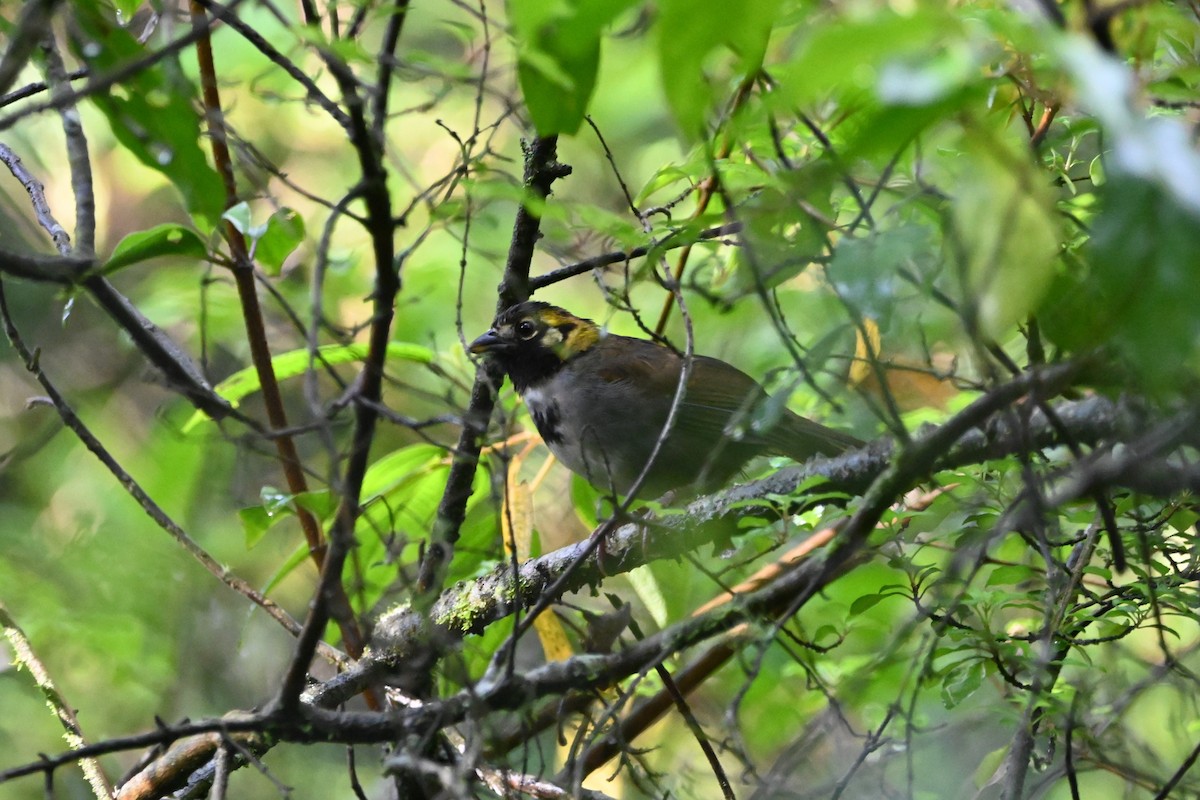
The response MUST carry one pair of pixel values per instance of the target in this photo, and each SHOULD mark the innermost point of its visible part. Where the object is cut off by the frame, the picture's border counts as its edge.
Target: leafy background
(1030, 192)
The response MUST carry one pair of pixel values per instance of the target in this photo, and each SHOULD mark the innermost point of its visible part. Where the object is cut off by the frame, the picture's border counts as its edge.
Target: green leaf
(255, 523)
(603, 222)
(152, 111)
(782, 233)
(1009, 574)
(240, 218)
(585, 498)
(650, 593)
(866, 271)
(1137, 288)
(125, 9)
(168, 239)
(558, 55)
(961, 682)
(388, 472)
(284, 233)
(404, 489)
(288, 365)
(430, 61)
(257, 520)
(1007, 230)
(687, 38)
(1156, 149)
(271, 242)
(845, 55)
(321, 503)
(481, 531)
(665, 177)
(923, 79)
(867, 601)
(274, 500)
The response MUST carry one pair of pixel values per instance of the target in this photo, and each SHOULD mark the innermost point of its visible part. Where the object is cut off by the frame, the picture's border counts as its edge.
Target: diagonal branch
(23, 39)
(71, 269)
(24, 656)
(471, 607)
(135, 490)
(973, 437)
(621, 256)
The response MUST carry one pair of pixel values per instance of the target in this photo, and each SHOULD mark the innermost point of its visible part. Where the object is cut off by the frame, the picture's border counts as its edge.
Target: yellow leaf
(860, 368)
(516, 525)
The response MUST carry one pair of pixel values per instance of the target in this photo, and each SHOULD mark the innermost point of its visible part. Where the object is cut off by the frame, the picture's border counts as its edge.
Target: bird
(600, 402)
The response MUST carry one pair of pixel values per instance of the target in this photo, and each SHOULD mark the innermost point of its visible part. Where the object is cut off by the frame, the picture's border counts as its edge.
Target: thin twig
(225, 14)
(37, 87)
(707, 189)
(24, 656)
(474, 606)
(381, 91)
(693, 724)
(99, 84)
(22, 40)
(621, 256)
(77, 150)
(37, 196)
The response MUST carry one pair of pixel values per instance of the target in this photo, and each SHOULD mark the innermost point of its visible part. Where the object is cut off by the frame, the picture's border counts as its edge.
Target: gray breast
(594, 427)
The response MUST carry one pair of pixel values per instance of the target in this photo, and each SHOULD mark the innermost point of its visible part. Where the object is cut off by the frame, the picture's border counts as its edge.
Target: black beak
(488, 342)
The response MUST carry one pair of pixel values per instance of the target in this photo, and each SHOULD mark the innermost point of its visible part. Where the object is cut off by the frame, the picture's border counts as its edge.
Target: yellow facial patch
(566, 334)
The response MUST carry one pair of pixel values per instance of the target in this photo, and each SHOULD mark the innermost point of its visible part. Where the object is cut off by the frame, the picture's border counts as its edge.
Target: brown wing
(716, 391)
(723, 401)
(720, 397)
(718, 407)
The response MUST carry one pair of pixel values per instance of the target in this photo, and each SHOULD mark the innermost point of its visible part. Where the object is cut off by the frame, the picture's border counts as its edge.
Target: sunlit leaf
(650, 594)
(387, 472)
(848, 54)
(275, 506)
(284, 233)
(239, 216)
(270, 242)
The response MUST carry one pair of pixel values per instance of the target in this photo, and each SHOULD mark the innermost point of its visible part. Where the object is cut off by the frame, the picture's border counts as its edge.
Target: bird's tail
(800, 439)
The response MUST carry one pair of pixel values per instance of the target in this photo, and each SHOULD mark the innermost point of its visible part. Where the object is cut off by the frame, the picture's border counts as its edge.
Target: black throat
(530, 367)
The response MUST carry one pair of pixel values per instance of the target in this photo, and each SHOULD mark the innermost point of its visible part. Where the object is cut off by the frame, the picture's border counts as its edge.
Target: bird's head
(532, 341)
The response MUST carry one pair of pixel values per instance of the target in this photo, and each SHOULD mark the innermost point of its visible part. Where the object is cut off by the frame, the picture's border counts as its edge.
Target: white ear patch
(552, 337)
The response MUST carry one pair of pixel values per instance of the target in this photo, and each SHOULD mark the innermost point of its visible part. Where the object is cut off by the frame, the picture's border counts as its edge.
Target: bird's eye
(526, 329)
